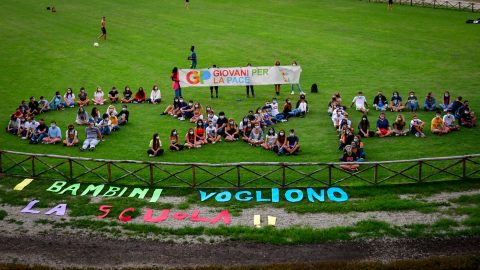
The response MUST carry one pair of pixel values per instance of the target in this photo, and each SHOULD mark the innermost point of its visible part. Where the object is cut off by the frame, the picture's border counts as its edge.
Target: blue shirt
(193, 57)
(382, 124)
(54, 132)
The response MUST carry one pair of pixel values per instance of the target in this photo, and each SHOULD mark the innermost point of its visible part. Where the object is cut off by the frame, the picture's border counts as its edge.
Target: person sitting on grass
(399, 126)
(174, 141)
(364, 127)
(113, 122)
(170, 109)
(212, 135)
(412, 102)
(346, 137)
(356, 151)
(71, 136)
(416, 126)
(197, 112)
(140, 96)
(98, 97)
(186, 110)
(31, 127)
(34, 106)
(457, 104)
(155, 146)
(13, 125)
(200, 133)
(155, 95)
(360, 103)
(449, 121)
(247, 130)
(56, 102)
(279, 142)
(93, 137)
(127, 95)
(361, 149)
(349, 156)
(191, 139)
(231, 131)
(270, 139)
(345, 122)
(104, 125)
(69, 99)
(380, 102)
(123, 115)
(256, 136)
(337, 117)
(396, 103)
(19, 112)
(54, 134)
(22, 128)
(332, 105)
(82, 116)
(467, 117)
(291, 146)
(446, 101)
(437, 125)
(95, 115)
(44, 105)
(430, 103)
(113, 95)
(301, 107)
(83, 97)
(383, 127)
(222, 122)
(111, 109)
(39, 133)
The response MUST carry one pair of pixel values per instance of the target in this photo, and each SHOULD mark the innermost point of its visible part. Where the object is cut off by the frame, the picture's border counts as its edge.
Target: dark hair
(192, 48)
(156, 143)
(174, 70)
(221, 113)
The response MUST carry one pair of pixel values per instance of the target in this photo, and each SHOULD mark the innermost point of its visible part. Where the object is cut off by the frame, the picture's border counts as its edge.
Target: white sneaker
(405, 134)
(151, 155)
(292, 93)
(422, 135)
(302, 93)
(24, 138)
(213, 142)
(198, 146)
(283, 120)
(181, 118)
(417, 134)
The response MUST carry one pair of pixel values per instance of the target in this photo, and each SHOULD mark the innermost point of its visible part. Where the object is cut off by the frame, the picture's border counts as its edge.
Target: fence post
(1, 165)
(329, 175)
(459, 5)
(420, 171)
(109, 173)
(194, 177)
(375, 174)
(151, 174)
(464, 168)
(283, 175)
(473, 9)
(434, 3)
(33, 166)
(70, 169)
(411, 2)
(238, 176)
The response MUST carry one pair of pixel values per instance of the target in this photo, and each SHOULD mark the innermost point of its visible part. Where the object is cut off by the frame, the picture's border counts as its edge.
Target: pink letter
(106, 209)
(224, 215)
(180, 215)
(126, 218)
(196, 218)
(148, 216)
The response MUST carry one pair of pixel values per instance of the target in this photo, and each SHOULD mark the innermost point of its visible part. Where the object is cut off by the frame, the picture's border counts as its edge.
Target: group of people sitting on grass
(352, 145)
(256, 128)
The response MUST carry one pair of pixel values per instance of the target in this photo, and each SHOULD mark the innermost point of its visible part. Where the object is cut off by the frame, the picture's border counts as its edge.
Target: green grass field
(341, 45)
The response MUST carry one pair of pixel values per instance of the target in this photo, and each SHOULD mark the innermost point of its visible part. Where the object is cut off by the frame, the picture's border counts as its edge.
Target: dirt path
(61, 251)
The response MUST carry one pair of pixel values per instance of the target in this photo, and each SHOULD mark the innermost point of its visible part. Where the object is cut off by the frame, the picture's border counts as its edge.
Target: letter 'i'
(257, 223)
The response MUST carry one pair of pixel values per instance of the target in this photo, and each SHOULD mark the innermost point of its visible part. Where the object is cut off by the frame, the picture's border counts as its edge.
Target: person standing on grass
(187, 4)
(103, 26)
(176, 82)
(390, 5)
(250, 87)
(294, 63)
(277, 86)
(193, 57)
(214, 87)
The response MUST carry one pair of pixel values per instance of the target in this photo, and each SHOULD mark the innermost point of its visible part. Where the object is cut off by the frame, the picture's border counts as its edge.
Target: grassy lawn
(341, 45)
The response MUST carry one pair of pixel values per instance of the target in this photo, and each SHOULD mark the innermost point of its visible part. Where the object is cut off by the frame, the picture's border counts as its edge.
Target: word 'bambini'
(164, 214)
(112, 191)
(334, 194)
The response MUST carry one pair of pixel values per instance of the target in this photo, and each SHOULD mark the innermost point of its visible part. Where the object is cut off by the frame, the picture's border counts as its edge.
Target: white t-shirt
(155, 95)
(274, 109)
(98, 95)
(359, 102)
(302, 106)
(271, 138)
(32, 125)
(415, 121)
(211, 130)
(104, 123)
(213, 119)
(449, 119)
(337, 119)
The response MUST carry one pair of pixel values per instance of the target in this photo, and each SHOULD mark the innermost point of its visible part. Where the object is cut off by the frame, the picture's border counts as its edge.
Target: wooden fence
(236, 175)
(459, 5)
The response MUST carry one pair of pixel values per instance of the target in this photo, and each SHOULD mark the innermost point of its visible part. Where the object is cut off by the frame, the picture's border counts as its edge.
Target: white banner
(239, 76)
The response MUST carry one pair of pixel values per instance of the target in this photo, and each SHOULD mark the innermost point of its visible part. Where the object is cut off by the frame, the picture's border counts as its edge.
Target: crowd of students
(255, 128)
(457, 114)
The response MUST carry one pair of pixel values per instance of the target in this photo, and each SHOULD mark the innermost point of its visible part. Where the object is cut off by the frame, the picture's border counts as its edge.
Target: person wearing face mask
(13, 125)
(69, 99)
(467, 117)
(250, 87)
(291, 146)
(197, 112)
(212, 117)
(383, 127)
(346, 137)
(437, 126)
(105, 124)
(349, 156)
(279, 142)
(176, 82)
(446, 101)
(449, 121)
(71, 136)
(247, 130)
(98, 97)
(399, 126)
(93, 137)
(270, 139)
(82, 116)
(412, 102)
(274, 106)
(123, 115)
(396, 103)
(113, 95)
(155, 146)
(155, 95)
(113, 122)
(191, 139)
(256, 136)
(360, 103)
(212, 135)
(39, 133)
(360, 146)
(140, 96)
(83, 99)
(221, 123)
(294, 63)
(416, 127)
(277, 86)
(242, 125)
(430, 103)
(356, 151)
(34, 106)
(56, 102)
(127, 95)
(231, 131)
(364, 127)
(380, 102)
(259, 117)
(208, 109)
(267, 118)
(200, 133)
(186, 109)
(337, 118)
(54, 134)
(172, 109)
(174, 141)
(44, 105)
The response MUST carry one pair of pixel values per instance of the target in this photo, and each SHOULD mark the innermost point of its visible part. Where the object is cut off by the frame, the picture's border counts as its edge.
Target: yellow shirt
(151, 144)
(437, 123)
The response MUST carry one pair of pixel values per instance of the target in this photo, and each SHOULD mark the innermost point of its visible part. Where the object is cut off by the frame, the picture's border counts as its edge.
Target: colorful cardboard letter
(124, 218)
(23, 184)
(105, 209)
(271, 220)
(290, 198)
(59, 210)
(29, 206)
(331, 194)
(256, 221)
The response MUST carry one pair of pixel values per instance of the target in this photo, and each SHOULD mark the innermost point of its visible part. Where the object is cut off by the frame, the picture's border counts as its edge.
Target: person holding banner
(250, 87)
(277, 86)
(212, 87)
(176, 82)
(294, 63)
(193, 57)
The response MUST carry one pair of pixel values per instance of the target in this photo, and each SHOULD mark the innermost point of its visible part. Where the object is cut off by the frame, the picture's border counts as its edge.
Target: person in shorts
(71, 136)
(383, 127)
(103, 28)
(360, 103)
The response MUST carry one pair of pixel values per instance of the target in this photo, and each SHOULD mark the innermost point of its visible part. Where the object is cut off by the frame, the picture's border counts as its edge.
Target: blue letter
(246, 199)
(203, 197)
(312, 194)
(224, 196)
(331, 194)
(259, 197)
(288, 195)
(275, 195)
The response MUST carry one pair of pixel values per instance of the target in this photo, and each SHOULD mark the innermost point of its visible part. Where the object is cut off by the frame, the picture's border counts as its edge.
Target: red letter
(106, 209)
(224, 215)
(148, 216)
(196, 218)
(127, 218)
(180, 216)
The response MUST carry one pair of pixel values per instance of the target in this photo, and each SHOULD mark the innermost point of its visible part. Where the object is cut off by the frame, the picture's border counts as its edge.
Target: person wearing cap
(54, 134)
(71, 136)
(93, 137)
(437, 125)
(291, 145)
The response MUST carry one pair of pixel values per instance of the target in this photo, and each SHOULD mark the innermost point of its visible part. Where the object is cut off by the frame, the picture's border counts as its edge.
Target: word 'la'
(58, 210)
